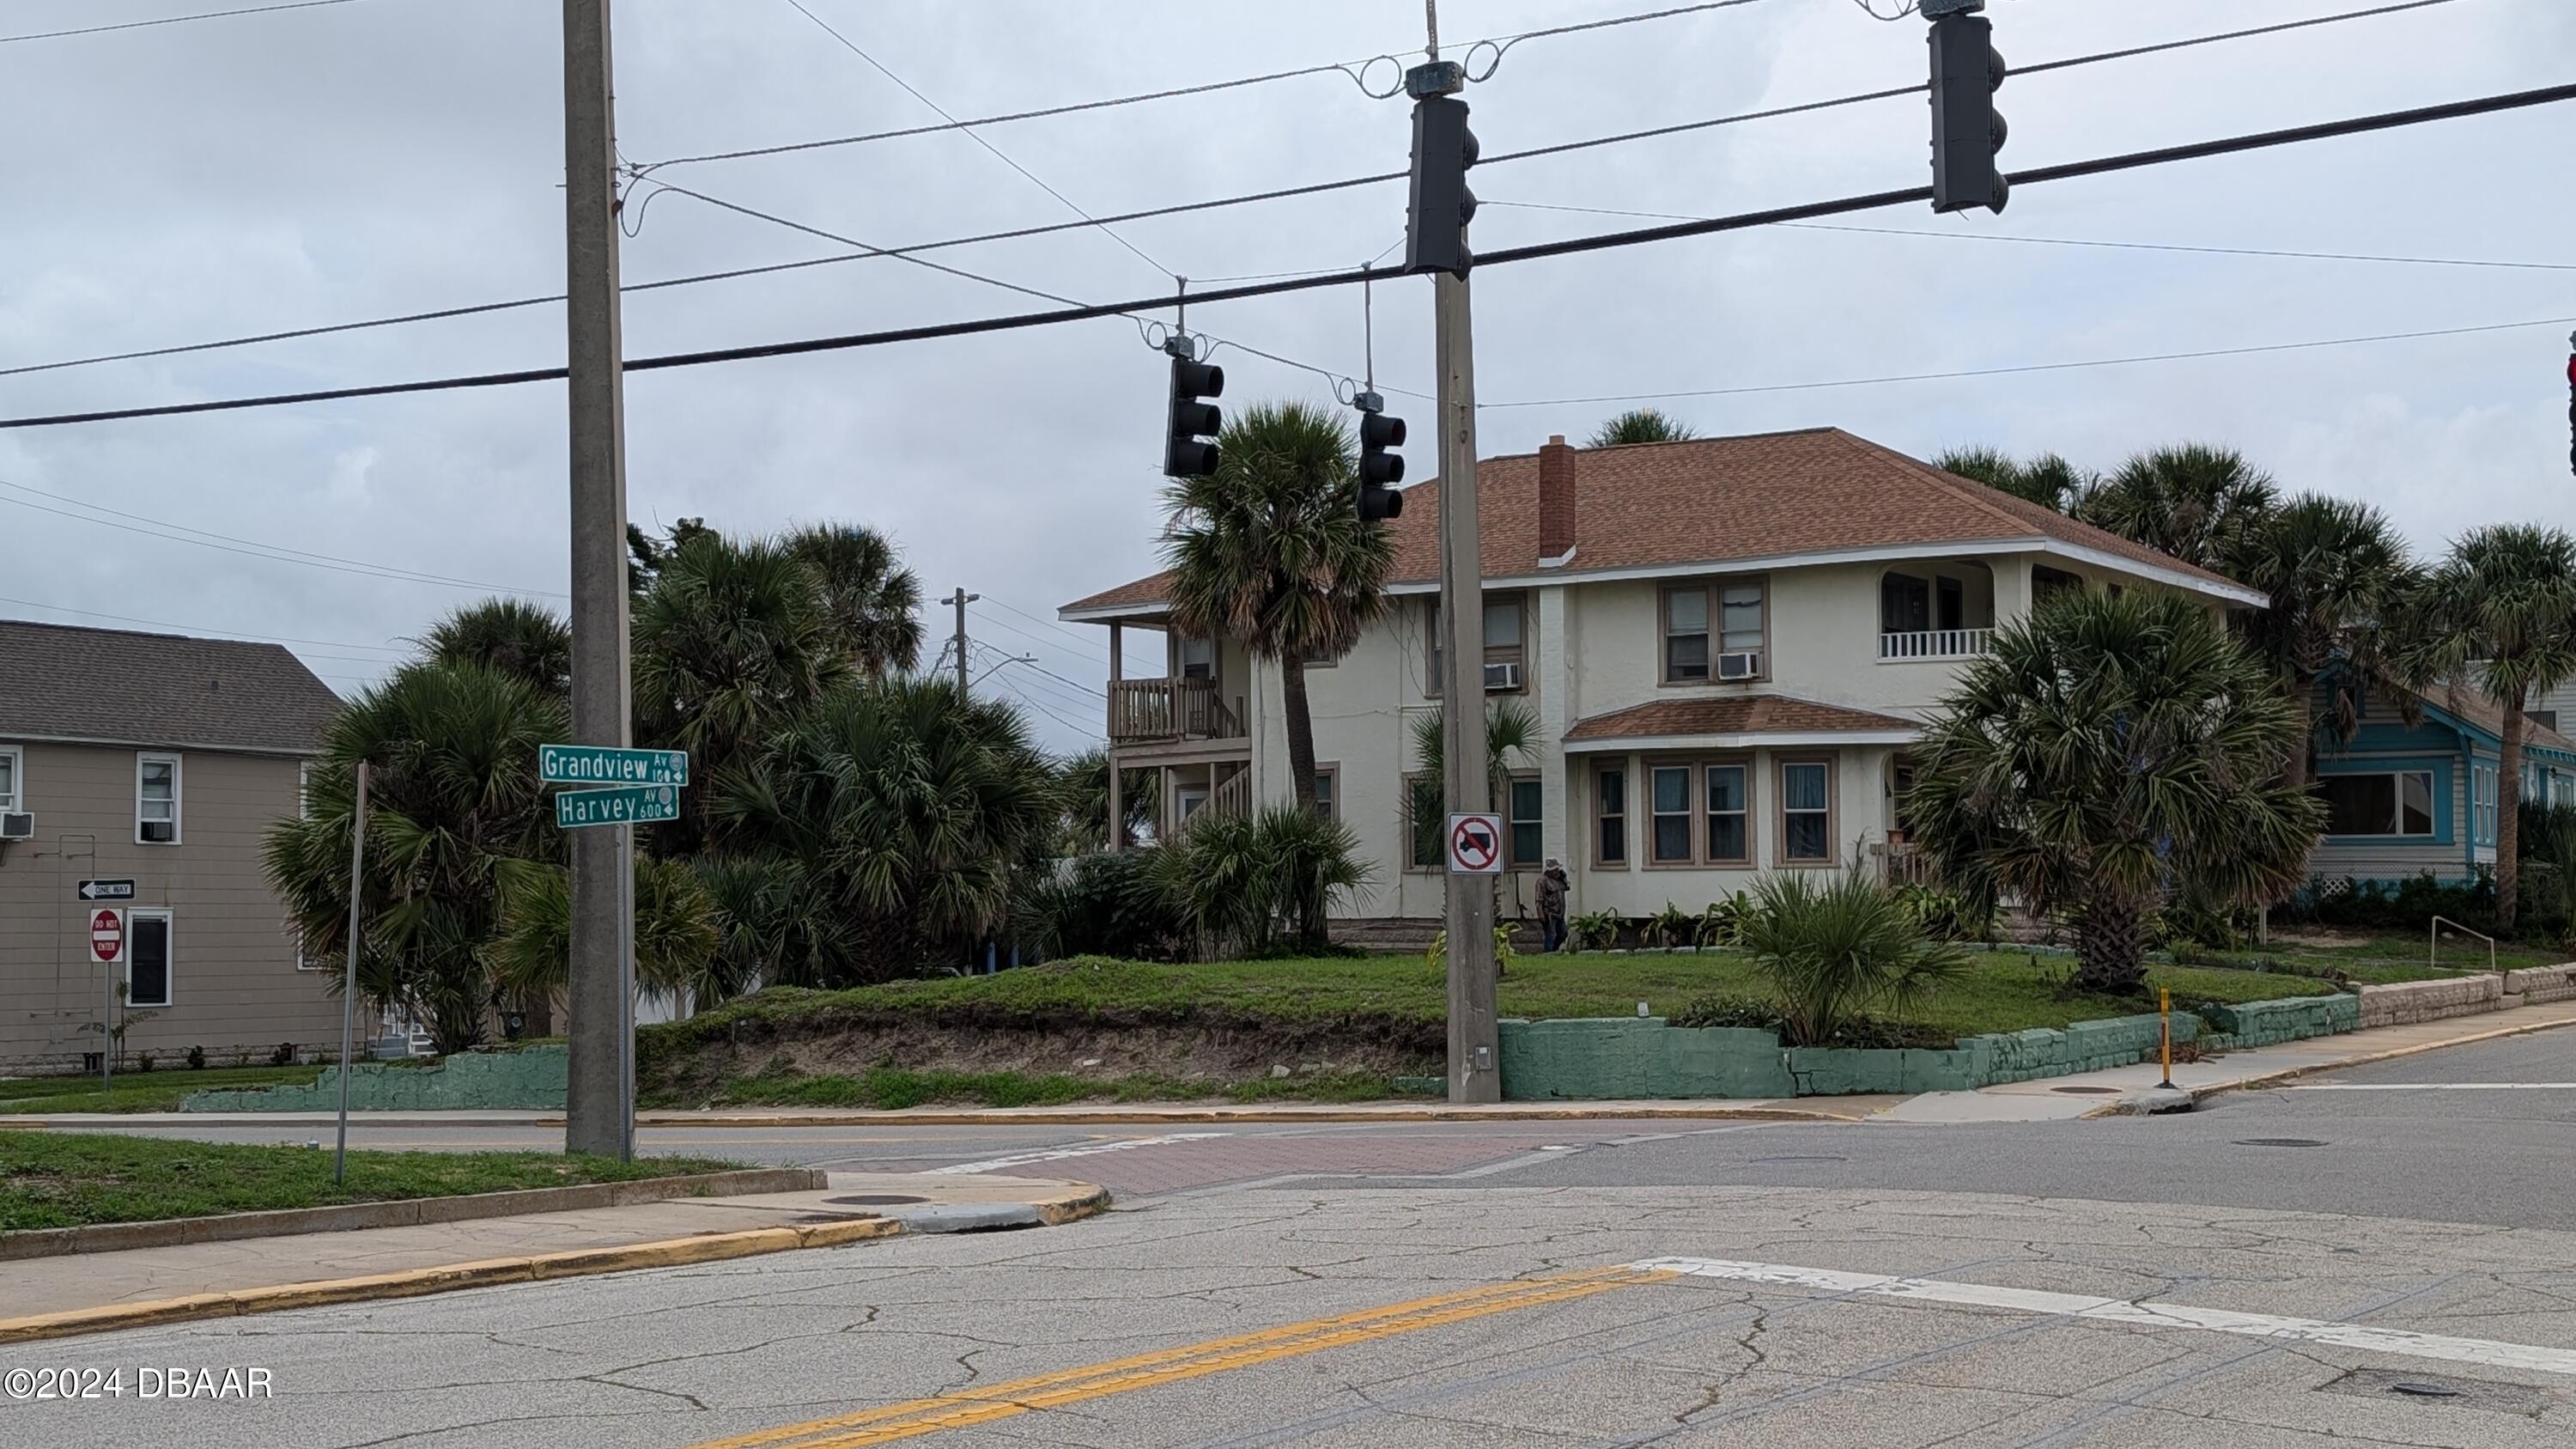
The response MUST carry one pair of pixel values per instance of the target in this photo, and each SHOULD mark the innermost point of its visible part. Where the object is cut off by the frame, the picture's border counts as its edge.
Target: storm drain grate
(2452, 1393)
(874, 1199)
(2092, 1091)
(2278, 1142)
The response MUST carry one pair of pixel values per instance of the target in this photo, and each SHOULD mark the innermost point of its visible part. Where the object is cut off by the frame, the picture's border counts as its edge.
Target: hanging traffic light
(1440, 205)
(1967, 130)
(1380, 470)
(1190, 449)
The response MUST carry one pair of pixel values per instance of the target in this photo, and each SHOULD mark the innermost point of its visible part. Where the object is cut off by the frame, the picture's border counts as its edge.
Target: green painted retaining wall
(525, 1080)
(1623, 1057)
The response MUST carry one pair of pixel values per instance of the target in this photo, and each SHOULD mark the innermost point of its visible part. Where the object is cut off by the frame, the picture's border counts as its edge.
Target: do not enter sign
(107, 936)
(1475, 844)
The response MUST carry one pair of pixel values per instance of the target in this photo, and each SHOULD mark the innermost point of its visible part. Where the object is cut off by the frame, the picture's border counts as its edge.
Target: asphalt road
(2182, 1281)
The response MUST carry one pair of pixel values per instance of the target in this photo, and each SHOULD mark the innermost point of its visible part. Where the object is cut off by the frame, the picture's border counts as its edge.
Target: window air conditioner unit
(17, 826)
(1502, 678)
(159, 832)
(1746, 664)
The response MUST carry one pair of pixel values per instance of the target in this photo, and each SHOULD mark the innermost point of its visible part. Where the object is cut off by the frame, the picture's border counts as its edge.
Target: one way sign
(107, 890)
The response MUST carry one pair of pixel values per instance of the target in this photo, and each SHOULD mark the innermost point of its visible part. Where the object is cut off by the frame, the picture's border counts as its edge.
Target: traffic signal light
(1190, 450)
(1967, 131)
(1380, 470)
(1440, 205)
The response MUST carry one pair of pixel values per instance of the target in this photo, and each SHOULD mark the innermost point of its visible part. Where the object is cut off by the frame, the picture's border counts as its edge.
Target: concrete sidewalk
(2133, 1089)
(75, 1293)
(1799, 1109)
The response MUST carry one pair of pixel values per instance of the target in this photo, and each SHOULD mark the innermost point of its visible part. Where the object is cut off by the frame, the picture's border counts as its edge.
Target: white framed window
(1716, 631)
(148, 957)
(1525, 819)
(1328, 791)
(13, 779)
(2399, 803)
(1806, 812)
(156, 799)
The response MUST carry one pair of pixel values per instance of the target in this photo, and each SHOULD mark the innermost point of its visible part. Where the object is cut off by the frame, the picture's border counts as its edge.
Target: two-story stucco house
(1729, 645)
(160, 760)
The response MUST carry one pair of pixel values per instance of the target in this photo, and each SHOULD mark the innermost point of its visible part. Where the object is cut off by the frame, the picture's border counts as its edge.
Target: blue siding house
(2404, 799)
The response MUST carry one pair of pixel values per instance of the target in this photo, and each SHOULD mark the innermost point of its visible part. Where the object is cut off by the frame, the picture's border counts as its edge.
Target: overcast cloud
(199, 181)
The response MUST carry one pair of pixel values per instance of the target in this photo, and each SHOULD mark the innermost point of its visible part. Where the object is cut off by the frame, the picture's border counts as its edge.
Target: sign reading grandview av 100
(605, 765)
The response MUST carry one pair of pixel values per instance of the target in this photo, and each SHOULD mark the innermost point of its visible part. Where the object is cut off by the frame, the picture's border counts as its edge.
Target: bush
(1592, 931)
(1832, 951)
(1107, 903)
(1672, 926)
(1724, 1010)
(1240, 883)
(143, 1063)
(1722, 924)
(196, 1059)
(2408, 905)
(1946, 915)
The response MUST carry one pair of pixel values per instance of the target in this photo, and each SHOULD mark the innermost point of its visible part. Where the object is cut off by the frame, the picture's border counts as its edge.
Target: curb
(1021, 1117)
(401, 1213)
(491, 1272)
(2124, 1108)
(416, 1282)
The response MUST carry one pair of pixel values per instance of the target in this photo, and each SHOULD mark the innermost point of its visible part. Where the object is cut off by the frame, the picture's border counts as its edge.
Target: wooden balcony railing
(1149, 711)
(1902, 863)
(1232, 796)
(1935, 643)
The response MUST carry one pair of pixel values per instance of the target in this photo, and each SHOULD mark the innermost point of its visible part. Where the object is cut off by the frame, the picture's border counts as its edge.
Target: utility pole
(961, 599)
(598, 1116)
(1440, 200)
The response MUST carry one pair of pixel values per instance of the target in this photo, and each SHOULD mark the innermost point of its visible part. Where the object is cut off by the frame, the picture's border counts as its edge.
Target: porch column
(1552, 678)
(2012, 587)
(1109, 730)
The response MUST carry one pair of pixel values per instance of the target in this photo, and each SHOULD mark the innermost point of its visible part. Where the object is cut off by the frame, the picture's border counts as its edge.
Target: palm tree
(2194, 502)
(1085, 782)
(873, 602)
(2107, 751)
(2500, 614)
(1643, 425)
(2336, 573)
(1270, 549)
(523, 640)
(677, 943)
(1511, 735)
(2046, 479)
(732, 639)
(902, 812)
(454, 806)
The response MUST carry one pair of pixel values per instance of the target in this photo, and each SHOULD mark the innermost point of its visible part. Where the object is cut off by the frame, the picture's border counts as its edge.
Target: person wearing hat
(1551, 905)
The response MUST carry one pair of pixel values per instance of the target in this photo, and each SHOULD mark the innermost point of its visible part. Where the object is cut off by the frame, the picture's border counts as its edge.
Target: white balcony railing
(1935, 644)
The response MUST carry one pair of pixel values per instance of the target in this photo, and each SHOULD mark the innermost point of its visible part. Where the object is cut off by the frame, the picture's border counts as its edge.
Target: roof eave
(1744, 739)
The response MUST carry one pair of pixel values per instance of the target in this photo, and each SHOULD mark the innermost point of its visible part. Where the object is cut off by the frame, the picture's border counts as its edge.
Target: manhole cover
(2094, 1091)
(2278, 1142)
(873, 1199)
(2452, 1393)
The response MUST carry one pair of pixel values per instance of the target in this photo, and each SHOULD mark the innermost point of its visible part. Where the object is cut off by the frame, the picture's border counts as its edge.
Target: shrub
(1239, 882)
(1107, 903)
(1722, 924)
(1726, 1010)
(196, 1059)
(1672, 926)
(1592, 931)
(143, 1063)
(1505, 953)
(2409, 905)
(1833, 950)
(1946, 915)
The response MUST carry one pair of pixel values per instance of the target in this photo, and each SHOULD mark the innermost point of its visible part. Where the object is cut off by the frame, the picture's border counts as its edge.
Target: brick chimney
(1555, 503)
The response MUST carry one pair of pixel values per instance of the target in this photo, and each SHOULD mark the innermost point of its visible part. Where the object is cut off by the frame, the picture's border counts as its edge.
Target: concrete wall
(234, 986)
(2540, 984)
(524, 1080)
(2261, 1023)
(1616, 1058)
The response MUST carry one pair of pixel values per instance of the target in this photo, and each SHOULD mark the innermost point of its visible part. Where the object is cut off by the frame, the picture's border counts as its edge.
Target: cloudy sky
(208, 180)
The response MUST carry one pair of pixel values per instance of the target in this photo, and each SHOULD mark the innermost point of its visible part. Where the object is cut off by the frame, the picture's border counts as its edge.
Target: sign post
(107, 948)
(620, 788)
(349, 986)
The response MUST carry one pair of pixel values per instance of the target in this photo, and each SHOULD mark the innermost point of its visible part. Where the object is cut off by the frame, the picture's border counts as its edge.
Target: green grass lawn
(2384, 959)
(2002, 991)
(64, 1179)
(158, 1090)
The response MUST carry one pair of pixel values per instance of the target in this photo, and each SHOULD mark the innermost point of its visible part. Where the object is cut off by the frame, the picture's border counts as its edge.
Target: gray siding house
(161, 760)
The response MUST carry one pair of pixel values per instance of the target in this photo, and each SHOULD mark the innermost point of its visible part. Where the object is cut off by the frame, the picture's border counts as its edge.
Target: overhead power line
(173, 20)
(1808, 211)
(1282, 193)
(200, 630)
(1963, 234)
(1354, 69)
(127, 522)
(2197, 353)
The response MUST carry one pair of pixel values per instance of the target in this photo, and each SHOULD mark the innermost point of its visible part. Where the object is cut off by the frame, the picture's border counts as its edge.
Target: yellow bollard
(2164, 997)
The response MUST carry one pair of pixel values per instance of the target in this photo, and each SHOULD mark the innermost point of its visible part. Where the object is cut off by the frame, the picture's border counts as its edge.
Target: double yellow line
(989, 1402)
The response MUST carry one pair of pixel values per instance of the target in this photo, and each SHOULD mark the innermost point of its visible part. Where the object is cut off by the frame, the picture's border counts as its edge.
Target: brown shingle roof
(2484, 711)
(1730, 715)
(1717, 500)
(65, 683)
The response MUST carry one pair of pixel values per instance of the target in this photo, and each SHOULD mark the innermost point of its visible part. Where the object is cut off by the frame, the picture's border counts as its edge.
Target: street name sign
(107, 890)
(624, 805)
(1475, 844)
(605, 765)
